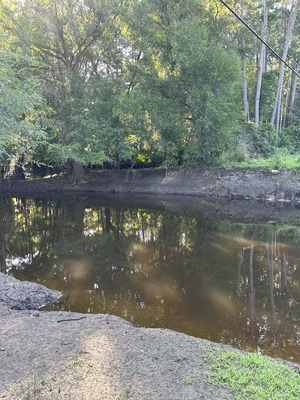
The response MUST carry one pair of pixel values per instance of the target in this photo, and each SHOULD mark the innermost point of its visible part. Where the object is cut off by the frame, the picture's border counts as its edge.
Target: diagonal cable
(258, 37)
(267, 31)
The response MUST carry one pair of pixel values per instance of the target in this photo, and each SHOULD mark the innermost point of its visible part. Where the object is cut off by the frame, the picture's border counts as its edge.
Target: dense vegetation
(146, 82)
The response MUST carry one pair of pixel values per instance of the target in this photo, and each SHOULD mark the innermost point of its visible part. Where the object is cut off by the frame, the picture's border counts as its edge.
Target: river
(230, 281)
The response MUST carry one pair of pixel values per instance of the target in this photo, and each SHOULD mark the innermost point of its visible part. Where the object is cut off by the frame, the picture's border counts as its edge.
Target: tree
(141, 80)
(292, 94)
(244, 82)
(73, 41)
(22, 109)
(189, 92)
(277, 105)
(262, 62)
(92, 125)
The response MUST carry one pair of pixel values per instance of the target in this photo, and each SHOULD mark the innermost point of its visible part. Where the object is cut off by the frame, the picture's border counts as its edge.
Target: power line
(267, 31)
(258, 37)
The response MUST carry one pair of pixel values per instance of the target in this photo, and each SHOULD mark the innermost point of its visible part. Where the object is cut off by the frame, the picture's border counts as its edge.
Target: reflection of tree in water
(271, 281)
(3, 246)
(33, 228)
(6, 221)
(230, 282)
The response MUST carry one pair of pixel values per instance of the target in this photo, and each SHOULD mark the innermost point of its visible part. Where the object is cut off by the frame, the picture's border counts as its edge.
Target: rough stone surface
(25, 295)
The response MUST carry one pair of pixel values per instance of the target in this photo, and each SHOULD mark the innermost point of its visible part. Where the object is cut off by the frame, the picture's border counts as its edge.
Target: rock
(294, 367)
(19, 295)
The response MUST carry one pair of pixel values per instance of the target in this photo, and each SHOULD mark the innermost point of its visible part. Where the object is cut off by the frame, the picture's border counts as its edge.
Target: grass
(53, 388)
(124, 396)
(243, 376)
(35, 389)
(279, 160)
(85, 367)
(252, 376)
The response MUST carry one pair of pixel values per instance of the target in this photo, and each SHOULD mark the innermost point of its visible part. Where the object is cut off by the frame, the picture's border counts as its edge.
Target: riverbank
(63, 355)
(264, 185)
(60, 355)
(242, 196)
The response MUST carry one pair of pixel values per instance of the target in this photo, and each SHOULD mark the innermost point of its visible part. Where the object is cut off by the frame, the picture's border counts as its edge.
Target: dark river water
(230, 282)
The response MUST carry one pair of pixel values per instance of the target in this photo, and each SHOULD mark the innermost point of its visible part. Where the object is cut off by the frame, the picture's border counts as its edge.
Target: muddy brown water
(231, 282)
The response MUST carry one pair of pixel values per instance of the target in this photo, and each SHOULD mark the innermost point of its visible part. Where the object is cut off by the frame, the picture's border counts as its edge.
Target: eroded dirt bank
(283, 186)
(261, 196)
(58, 355)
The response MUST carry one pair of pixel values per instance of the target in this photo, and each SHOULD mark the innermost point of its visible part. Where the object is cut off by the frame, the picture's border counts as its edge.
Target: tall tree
(22, 109)
(189, 93)
(289, 35)
(292, 94)
(262, 61)
(242, 46)
(75, 41)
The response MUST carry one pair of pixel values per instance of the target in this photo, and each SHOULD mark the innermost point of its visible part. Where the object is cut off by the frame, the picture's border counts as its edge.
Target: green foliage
(186, 99)
(211, 77)
(92, 130)
(22, 110)
(279, 160)
(234, 157)
(79, 59)
(265, 139)
(191, 153)
(267, 94)
(160, 78)
(252, 376)
(290, 138)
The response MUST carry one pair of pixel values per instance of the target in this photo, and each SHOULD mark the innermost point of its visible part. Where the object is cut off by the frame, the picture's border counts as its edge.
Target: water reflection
(230, 282)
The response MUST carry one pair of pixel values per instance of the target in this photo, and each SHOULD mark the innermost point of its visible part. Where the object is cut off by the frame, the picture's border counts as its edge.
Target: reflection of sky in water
(19, 262)
(228, 282)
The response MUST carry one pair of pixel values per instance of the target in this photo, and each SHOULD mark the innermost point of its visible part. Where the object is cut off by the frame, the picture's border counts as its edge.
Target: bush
(231, 158)
(265, 139)
(290, 138)
(190, 154)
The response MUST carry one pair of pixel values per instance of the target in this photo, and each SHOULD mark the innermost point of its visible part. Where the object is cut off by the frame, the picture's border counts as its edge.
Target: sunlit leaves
(21, 107)
(186, 82)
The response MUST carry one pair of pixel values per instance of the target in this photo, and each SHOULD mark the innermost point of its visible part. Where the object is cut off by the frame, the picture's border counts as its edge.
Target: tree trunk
(285, 113)
(78, 214)
(261, 65)
(252, 293)
(244, 81)
(289, 34)
(78, 174)
(108, 225)
(244, 77)
(239, 268)
(292, 95)
(14, 172)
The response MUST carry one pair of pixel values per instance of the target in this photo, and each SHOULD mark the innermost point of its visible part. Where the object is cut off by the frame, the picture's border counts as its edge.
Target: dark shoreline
(260, 196)
(281, 186)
